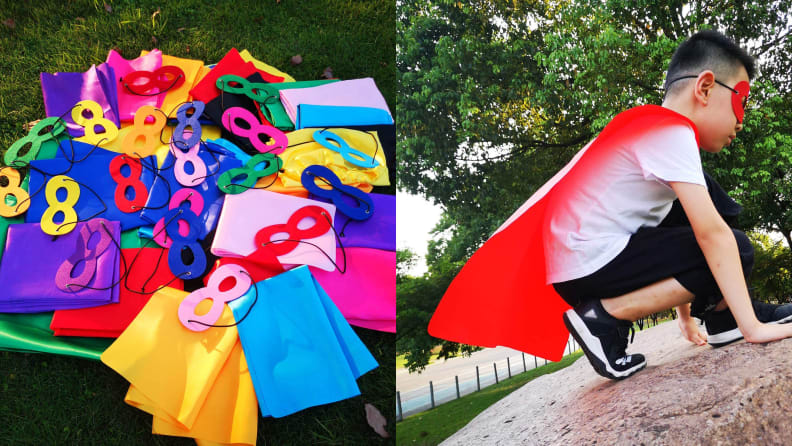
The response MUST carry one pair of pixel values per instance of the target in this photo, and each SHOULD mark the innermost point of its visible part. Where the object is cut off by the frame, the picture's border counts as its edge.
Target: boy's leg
(660, 268)
(659, 296)
(601, 327)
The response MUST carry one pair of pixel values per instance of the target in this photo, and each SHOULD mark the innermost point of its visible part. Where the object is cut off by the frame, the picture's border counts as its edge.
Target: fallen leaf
(296, 60)
(327, 73)
(258, 19)
(9, 23)
(187, 50)
(376, 420)
(180, 29)
(80, 19)
(117, 49)
(30, 125)
(108, 8)
(153, 40)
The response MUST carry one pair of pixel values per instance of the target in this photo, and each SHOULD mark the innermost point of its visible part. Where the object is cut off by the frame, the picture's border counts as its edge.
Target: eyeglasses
(739, 95)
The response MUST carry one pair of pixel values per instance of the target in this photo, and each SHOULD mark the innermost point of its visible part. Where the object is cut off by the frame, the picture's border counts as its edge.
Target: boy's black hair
(707, 50)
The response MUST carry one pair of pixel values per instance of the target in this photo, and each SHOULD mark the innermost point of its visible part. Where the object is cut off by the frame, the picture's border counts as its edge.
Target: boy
(631, 226)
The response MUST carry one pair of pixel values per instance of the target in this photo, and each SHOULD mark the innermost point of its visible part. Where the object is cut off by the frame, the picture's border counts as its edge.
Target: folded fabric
(247, 57)
(109, 187)
(162, 148)
(387, 137)
(165, 185)
(366, 292)
(62, 91)
(30, 333)
(180, 94)
(300, 350)
(40, 273)
(305, 151)
(143, 271)
(273, 109)
(354, 93)
(228, 416)
(231, 63)
(128, 100)
(310, 115)
(232, 148)
(131, 239)
(4, 224)
(257, 271)
(276, 183)
(226, 99)
(377, 232)
(173, 367)
(202, 73)
(247, 216)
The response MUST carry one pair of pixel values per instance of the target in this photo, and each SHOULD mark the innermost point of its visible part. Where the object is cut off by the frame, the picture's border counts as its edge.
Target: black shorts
(655, 254)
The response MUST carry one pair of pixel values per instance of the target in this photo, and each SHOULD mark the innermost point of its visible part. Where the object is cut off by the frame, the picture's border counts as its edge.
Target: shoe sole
(593, 349)
(734, 335)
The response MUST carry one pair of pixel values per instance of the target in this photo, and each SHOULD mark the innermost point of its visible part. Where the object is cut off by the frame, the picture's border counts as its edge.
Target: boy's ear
(705, 82)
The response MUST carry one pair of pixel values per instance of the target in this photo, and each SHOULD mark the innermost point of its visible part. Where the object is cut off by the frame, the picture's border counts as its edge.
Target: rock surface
(738, 394)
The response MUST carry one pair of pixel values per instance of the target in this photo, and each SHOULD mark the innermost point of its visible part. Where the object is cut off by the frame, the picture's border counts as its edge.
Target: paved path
(443, 370)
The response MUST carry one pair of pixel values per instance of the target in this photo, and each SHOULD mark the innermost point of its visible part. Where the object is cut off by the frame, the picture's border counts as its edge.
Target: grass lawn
(45, 399)
(435, 425)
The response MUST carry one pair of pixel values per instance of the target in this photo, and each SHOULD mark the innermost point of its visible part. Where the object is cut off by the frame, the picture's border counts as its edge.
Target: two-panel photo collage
(410, 222)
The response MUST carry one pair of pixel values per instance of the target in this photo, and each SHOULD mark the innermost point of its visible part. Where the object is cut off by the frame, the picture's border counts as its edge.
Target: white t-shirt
(628, 190)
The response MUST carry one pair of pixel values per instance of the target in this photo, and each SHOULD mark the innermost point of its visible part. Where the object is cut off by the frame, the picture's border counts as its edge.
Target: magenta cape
(500, 297)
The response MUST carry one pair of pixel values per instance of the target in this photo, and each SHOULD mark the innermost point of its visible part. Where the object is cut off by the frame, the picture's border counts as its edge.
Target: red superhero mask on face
(739, 95)
(740, 99)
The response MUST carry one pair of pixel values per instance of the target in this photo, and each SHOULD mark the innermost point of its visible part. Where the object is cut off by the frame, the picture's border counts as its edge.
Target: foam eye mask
(740, 99)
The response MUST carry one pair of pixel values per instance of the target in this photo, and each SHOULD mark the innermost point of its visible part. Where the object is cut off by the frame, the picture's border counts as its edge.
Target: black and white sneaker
(604, 340)
(722, 328)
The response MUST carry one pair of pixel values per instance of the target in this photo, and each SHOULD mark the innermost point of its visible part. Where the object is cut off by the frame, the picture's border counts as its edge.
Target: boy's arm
(688, 326)
(717, 242)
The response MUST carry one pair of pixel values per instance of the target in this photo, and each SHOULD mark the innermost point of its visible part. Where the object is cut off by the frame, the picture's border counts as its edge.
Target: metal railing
(442, 391)
(445, 390)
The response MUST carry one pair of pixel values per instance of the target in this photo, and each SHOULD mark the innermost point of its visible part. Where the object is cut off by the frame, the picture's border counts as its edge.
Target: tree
(495, 97)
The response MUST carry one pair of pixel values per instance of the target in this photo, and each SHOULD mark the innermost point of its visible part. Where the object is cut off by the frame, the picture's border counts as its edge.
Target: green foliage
(405, 259)
(418, 297)
(496, 96)
(771, 280)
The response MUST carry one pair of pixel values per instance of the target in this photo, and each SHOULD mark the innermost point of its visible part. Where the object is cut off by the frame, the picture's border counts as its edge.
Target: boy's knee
(746, 250)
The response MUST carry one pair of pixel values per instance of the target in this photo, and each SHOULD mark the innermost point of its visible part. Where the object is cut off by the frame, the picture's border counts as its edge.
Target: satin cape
(501, 297)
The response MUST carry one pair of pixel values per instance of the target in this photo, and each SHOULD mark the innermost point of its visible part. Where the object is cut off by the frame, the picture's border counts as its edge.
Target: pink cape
(366, 293)
(500, 297)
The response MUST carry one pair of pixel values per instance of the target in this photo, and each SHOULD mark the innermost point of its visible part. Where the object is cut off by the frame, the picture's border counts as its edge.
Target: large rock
(735, 395)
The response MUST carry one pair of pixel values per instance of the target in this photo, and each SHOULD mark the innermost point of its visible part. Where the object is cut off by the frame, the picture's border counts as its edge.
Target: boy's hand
(690, 330)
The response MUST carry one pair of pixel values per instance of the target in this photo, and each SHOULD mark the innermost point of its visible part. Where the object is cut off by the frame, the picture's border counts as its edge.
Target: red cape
(500, 296)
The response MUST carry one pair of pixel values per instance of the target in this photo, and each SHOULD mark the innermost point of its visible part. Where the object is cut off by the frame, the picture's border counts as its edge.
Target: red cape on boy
(500, 296)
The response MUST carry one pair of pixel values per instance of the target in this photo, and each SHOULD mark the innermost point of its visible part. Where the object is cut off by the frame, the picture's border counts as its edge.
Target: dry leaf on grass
(327, 73)
(296, 60)
(376, 420)
(9, 23)
(30, 125)
(108, 8)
